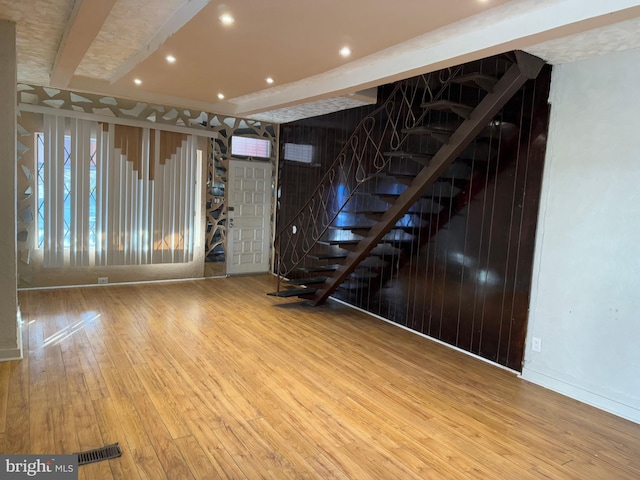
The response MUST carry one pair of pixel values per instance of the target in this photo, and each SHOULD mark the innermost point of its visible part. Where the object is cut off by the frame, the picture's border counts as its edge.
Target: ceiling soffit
(135, 34)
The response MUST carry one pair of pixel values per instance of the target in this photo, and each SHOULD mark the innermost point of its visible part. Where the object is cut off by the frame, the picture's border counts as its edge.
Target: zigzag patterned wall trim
(26, 184)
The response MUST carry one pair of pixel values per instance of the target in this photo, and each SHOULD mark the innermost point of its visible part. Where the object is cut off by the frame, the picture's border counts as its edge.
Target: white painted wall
(9, 335)
(585, 299)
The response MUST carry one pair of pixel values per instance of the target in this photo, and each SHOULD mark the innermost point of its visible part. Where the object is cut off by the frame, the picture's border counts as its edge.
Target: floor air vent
(99, 454)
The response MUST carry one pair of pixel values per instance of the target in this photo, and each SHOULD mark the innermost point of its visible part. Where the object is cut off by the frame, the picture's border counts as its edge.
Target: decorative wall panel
(219, 128)
(218, 165)
(26, 184)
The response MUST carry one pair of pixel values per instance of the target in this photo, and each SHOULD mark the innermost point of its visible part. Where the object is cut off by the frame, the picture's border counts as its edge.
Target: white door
(248, 214)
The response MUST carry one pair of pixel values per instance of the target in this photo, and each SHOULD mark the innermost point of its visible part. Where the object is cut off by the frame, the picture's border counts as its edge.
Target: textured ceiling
(127, 29)
(599, 41)
(40, 26)
(315, 109)
(295, 42)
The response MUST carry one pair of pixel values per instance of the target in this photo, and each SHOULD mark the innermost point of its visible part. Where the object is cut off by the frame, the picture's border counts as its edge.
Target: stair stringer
(527, 68)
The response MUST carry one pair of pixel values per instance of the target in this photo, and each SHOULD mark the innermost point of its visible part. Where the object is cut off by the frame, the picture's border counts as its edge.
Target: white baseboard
(9, 354)
(440, 342)
(576, 392)
(140, 282)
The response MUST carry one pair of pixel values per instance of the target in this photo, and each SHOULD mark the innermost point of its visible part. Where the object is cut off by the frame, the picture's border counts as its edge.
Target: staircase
(345, 234)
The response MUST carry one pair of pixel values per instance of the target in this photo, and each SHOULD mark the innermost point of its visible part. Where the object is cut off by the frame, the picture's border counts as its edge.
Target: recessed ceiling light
(227, 19)
(344, 51)
(137, 81)
(221, 96)
(170, 59)
(269, 80)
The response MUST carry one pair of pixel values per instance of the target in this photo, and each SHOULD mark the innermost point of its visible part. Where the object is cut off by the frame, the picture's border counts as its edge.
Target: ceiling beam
(85, 23)
(178, 20)
(514, 25)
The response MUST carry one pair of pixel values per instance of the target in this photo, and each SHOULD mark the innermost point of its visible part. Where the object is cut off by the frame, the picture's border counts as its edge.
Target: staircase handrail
(360, 174)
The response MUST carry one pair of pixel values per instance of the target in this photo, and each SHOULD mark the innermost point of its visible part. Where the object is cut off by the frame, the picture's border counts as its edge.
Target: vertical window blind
(116, 195)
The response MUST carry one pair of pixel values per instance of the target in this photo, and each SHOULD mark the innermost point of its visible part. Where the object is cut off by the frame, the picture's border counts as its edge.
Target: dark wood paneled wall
(467, 282)
(326, 135)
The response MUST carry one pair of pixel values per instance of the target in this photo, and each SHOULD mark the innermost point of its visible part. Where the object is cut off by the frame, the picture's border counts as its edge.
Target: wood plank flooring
(214, 379)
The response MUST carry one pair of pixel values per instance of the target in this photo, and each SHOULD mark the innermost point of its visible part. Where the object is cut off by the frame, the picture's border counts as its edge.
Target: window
(67, 191)
(110, 194)
(296, 152)
(250, 147)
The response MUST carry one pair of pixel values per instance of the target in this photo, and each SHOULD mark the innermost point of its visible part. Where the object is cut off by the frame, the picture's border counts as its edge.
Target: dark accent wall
(466, 279)
(326, 135)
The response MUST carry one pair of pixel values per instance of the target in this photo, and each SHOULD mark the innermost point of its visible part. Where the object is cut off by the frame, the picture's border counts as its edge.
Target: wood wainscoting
(214, 379)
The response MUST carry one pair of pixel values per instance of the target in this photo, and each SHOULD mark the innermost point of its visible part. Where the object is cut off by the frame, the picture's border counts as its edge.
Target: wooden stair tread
(349, 227)
(327, 256)
(342, 244)
(439, 134)
(364, 212)
(338, 242)
(293, 292)
(397, 241)
(404, 179)
(403, 154)
(375, 212)
(459, 169)
(319, 268)
(409, 228)
(476, 79)
(402, 229)
(354, 284)
(384, 249)
(364, 275)
(437, 190)
(308, 281)
(369, 214)
(373, 262)
(355, 229)
(378, 213)
(384, 176)
(458, 108)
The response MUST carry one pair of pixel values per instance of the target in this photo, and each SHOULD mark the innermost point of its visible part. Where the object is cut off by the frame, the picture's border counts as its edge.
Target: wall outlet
(536, 344)
(103, 280)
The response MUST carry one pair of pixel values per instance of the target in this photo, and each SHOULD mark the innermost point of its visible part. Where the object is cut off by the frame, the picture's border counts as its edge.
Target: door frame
(267, 215)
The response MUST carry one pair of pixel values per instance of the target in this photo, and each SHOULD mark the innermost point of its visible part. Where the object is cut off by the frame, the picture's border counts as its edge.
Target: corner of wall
(9, 331)
(14, 353)
(583, 303)
(587, 395)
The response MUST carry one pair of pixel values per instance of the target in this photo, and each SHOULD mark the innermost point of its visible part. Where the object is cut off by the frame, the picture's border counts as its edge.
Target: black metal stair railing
(527, 67)
(361, 159)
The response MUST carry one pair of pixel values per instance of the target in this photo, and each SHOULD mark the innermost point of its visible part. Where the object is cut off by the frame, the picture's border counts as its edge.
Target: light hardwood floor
(213, 379)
